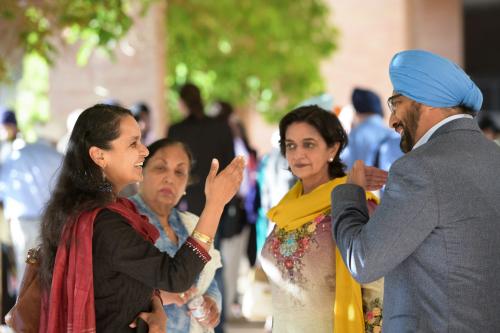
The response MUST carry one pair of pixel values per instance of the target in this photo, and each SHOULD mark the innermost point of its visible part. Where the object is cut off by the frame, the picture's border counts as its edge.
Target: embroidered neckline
(289, 247)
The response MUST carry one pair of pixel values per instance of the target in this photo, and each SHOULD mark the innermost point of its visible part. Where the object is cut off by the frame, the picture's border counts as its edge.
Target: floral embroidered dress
(300, 263)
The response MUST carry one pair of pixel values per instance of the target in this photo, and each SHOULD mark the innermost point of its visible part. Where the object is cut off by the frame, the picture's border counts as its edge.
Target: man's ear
(97, 155)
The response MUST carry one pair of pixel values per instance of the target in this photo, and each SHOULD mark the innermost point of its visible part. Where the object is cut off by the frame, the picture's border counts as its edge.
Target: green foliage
(32, 102)
(258, 54)
(262, 55)
(36, 26)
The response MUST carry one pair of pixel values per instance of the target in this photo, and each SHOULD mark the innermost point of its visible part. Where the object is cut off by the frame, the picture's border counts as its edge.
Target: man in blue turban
(435, 235)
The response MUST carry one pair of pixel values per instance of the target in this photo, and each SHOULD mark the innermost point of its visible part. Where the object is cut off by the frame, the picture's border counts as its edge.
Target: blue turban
(433, 80)
(7, 117)
(366, 101)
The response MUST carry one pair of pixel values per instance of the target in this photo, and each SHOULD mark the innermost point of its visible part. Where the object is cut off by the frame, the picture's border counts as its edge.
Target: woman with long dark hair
(100, 266)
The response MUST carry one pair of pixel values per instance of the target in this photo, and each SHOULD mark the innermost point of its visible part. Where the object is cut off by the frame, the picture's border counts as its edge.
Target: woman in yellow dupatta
(311, 287)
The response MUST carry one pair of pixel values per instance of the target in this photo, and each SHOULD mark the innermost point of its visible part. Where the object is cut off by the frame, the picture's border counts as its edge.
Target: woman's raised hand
(220, 188)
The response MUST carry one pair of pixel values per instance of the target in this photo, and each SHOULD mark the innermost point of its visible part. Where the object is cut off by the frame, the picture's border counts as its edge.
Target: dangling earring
(105, 186)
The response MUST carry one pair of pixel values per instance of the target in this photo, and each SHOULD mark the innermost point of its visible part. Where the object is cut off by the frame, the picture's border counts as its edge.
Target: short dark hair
(191, 96)
(166, 142)
(328, 126)
(139, 108)
(466, 110)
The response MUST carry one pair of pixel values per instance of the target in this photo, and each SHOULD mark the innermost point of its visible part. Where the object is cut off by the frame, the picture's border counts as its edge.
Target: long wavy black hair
(81, 185)
(328, 126)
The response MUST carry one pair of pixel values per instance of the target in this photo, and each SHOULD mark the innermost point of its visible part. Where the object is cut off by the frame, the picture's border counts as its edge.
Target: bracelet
(202, 238)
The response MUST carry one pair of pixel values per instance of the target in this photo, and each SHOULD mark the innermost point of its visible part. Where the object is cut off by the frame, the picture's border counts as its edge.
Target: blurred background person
(370, 132)
(9, 132)
(489, 122)
(62, 143)
(166, 173)
(27, 177)
(207, 138)
(238, 236)
(142, 115)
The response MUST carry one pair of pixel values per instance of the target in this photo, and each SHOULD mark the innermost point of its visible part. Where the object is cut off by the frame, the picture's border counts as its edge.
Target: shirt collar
(423, 140)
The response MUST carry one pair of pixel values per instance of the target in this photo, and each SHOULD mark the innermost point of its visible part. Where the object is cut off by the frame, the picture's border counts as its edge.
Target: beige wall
(437, 26)
(372, 31)
(137, 74)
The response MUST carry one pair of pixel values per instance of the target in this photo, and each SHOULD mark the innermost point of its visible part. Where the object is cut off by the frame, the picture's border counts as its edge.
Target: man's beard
(410, 128)
(407, 141)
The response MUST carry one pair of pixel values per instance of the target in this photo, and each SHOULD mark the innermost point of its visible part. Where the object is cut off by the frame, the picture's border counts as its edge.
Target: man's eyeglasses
(390, 102)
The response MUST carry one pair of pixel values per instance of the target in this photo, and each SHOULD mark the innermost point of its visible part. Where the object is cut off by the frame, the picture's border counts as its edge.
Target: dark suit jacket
(207, 138)
(435, 236)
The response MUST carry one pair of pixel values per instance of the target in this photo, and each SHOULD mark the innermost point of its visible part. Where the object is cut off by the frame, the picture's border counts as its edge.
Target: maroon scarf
(70, 305)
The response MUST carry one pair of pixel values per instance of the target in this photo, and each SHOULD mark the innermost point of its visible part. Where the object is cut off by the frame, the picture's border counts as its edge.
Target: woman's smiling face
(122, 164)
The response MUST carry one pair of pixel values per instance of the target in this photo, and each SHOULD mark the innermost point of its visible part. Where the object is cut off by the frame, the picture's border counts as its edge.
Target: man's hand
(212, 314)
(369, 178)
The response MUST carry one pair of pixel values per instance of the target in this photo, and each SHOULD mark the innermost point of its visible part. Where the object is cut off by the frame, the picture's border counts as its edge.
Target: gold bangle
(202, 238)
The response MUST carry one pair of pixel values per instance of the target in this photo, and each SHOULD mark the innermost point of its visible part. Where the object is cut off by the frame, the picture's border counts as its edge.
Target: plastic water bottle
(196, 307)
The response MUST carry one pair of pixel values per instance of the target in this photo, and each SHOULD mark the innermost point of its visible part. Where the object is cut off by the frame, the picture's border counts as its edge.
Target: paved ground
(245, 327)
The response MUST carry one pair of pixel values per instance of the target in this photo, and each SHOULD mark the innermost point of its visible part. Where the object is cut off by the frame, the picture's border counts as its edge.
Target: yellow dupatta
(296, 209)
